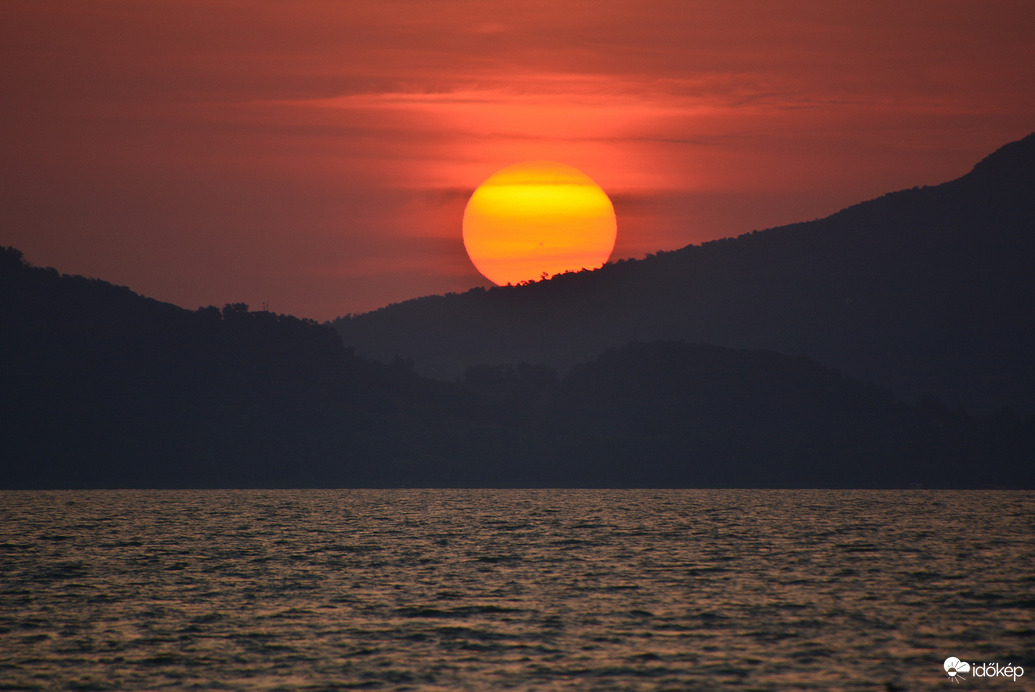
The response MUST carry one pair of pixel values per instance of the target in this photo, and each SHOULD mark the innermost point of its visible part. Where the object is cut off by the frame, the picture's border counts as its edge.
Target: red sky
(318, 155)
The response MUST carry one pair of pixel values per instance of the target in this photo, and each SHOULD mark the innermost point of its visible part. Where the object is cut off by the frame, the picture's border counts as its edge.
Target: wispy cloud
(208, 134)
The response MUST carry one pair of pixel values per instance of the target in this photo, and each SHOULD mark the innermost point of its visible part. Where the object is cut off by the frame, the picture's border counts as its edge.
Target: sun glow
(536, 219)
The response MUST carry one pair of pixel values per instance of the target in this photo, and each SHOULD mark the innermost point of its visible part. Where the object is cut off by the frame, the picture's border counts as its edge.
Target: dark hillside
(104, 388)
(666, 414)
(925, 291)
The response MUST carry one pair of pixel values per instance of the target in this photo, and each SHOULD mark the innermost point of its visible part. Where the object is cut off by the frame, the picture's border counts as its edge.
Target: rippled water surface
(513, 589)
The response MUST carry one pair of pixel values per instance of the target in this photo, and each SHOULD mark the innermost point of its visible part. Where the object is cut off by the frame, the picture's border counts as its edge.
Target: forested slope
(927, 291)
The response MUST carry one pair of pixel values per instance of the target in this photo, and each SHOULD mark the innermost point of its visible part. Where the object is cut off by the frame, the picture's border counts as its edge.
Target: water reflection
(536, 590)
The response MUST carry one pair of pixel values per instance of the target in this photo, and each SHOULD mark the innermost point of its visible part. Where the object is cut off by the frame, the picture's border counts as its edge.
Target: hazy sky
(318, 155)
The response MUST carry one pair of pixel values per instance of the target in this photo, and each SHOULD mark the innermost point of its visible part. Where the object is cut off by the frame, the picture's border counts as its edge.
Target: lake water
(514, 589)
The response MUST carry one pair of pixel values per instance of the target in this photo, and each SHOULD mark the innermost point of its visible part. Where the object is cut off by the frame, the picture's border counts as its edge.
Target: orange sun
(536, 219)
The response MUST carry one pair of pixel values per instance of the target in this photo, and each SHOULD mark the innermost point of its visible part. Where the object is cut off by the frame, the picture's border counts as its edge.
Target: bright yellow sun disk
(538, 218)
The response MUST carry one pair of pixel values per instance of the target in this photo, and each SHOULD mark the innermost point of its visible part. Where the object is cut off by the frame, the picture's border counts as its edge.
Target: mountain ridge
(106, 388)
(921, 290)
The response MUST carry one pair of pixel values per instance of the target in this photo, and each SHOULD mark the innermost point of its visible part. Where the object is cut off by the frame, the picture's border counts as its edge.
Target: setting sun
(536, 219)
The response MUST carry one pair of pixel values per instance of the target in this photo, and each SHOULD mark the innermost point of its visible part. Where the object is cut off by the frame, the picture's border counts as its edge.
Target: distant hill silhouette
(927, 291)
(105, 388)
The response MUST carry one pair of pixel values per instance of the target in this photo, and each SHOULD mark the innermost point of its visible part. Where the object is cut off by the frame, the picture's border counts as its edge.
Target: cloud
(329, 146)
